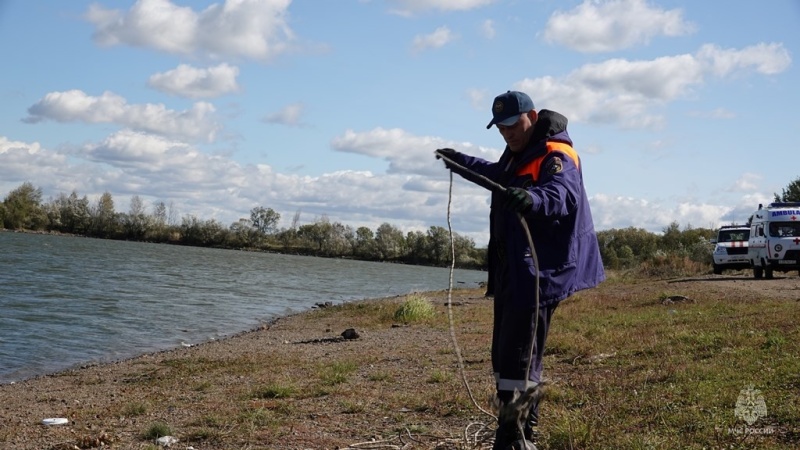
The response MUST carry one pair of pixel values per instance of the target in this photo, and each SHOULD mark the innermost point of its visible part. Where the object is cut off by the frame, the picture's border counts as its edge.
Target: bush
(414, 309)
(157, 430)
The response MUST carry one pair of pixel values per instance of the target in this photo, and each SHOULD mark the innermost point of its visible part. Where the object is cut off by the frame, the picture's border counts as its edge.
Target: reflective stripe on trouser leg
(513, 327)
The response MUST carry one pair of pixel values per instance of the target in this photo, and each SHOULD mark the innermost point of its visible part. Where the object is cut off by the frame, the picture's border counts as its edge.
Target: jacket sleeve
(559, 190)
(477, 165)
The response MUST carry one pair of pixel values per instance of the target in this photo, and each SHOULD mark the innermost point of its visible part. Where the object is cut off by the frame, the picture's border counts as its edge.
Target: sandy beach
(218, 395)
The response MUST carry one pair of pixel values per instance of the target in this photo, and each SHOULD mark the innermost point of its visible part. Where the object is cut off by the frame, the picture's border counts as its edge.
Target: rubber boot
(530, 430)
(510, 439)
(509, 436)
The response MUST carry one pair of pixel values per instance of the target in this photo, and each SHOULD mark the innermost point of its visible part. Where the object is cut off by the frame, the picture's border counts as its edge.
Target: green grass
(337, 372)
(415, 309)
(157, 430)
(134, 409)
(672, 373)
(275, 390)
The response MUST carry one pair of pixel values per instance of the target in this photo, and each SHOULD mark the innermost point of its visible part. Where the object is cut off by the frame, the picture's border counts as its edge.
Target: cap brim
(506, 122)
(510, 121)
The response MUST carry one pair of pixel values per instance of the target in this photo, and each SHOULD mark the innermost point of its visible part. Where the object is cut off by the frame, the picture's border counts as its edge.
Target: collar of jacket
(548, 125)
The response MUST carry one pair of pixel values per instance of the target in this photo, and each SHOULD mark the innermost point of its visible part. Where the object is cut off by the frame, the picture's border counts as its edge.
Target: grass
(675, 375)
(134, 409)
(157, 430)
(275, 390)
(626, 372)
(415, 309)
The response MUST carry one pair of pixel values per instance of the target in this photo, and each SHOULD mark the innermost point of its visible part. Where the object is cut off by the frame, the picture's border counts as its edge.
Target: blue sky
(682, 111)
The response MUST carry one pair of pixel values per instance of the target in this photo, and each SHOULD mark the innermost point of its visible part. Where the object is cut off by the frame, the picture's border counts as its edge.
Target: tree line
(24, 209)
(674, 251)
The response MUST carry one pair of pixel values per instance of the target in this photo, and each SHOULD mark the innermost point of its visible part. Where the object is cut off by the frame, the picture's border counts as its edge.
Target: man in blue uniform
(541, 184)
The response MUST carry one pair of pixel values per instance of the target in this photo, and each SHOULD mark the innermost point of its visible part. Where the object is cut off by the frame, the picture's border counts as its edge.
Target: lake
(68, 301)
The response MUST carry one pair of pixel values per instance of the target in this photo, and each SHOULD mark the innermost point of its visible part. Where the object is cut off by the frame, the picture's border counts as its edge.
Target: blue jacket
(560, 220)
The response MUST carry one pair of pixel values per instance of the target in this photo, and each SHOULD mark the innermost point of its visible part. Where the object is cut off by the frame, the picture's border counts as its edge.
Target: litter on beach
(55, 421)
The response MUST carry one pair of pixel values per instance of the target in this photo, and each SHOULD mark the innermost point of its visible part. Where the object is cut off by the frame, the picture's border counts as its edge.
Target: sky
(682, 111)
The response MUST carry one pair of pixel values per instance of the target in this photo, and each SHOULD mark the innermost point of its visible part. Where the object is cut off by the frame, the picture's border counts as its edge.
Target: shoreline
(264, 324)
(115, 403)
(97, 363)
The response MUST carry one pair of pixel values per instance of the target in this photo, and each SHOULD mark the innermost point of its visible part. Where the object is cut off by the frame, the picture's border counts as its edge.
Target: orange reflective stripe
(533, 167)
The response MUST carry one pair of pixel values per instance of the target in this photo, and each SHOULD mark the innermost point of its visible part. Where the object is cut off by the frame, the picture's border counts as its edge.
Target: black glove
(448, 153)
(518, 200)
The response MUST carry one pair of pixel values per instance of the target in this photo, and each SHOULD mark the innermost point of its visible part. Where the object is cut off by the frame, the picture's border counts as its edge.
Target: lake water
(67, 301)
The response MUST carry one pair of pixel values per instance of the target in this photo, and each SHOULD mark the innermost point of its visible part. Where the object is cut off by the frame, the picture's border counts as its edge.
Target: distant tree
(23, 208)
(317, 235)
(288, 238)
(341, 239)
(627, 246)
(159, 215)
(438, 245)
(241, 233)
(157, 229)
(389, 242)
(464, 249)
(69, 214)
(417, 245)
(670, 240)
(364, 245)
(209, 233)
(791, 193)
(264, 220)
(172, 215)
(104, 217)
(136, 222)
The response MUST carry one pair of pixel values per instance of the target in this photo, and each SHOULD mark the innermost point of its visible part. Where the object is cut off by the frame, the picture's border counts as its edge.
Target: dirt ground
(206, 395)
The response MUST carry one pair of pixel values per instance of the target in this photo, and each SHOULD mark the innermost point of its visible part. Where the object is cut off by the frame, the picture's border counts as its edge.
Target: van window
(784, 229)
(733, 235)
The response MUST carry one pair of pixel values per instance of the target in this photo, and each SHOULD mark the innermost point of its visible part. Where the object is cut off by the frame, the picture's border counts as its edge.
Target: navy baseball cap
(507, 108)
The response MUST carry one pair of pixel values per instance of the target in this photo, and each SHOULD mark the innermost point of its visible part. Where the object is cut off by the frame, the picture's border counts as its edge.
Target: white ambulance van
(730, 248)
(774, 243)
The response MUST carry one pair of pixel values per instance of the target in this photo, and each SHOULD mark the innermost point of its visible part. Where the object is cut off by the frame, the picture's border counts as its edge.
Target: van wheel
(718, 270)
(758, 272)
(768, 273)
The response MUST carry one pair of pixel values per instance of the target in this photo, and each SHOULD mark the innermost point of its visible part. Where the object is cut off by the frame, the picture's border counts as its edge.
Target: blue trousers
(512, 337)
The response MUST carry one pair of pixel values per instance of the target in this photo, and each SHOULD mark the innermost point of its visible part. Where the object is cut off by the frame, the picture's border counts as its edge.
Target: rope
(460, 359)
(471, 436)
(501, 189)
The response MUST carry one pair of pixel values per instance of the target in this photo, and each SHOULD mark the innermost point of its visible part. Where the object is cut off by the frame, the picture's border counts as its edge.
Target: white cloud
(768, 59)
(28, 162)
(622, 212)
(193, 82)
(254, 29)
(291, 115)
(608, 25)
(406, 153)
(16, 155)
(439, 38)
(629, 93)
(197, 123)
